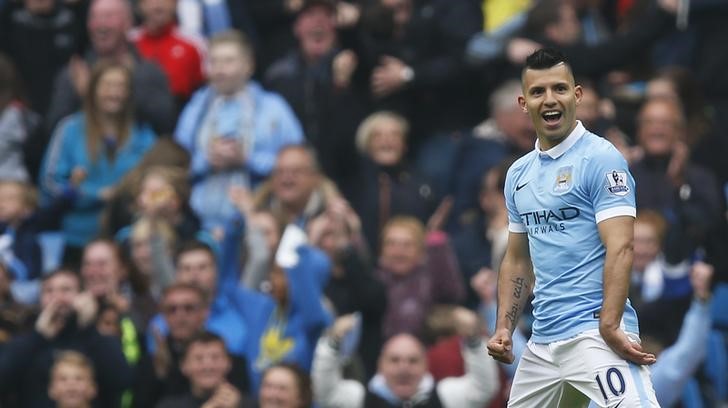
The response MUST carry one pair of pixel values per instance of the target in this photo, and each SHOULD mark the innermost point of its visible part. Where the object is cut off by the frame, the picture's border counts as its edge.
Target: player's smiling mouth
(552, 117)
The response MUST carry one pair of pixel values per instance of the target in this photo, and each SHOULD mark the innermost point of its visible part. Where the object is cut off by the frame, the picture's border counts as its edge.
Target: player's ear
(522, 103)
(578, 92)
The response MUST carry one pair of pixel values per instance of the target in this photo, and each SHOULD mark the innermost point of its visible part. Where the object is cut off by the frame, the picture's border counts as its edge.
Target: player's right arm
(515, 282)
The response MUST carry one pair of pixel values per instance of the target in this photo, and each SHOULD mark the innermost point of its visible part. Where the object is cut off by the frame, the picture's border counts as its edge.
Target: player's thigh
(537, 382)
(607, 379)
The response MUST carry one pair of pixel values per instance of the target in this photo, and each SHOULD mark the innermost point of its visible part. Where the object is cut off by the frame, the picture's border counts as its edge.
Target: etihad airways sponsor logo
(545, 221)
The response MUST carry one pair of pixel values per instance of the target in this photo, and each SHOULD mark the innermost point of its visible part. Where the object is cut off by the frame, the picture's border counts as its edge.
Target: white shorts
(571, 372)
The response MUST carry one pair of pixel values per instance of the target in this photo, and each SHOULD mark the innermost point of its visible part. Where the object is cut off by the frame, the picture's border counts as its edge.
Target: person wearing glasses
(185, 309)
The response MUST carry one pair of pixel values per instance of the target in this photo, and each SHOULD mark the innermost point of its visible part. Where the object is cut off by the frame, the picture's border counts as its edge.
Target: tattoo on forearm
(512, 315)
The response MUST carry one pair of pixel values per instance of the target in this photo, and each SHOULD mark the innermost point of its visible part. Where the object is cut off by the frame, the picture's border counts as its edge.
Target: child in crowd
(206, 363)
(20, 223)
(72, 382)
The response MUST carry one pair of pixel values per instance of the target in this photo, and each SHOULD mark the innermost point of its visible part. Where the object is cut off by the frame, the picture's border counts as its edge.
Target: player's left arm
(617, 235)
(612, 192)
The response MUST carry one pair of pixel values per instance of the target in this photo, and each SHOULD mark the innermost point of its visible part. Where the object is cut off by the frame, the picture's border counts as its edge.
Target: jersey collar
(561, 148)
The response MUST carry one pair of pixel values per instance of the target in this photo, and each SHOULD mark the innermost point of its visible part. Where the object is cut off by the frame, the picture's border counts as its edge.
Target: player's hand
(629, 350)
(500, 346)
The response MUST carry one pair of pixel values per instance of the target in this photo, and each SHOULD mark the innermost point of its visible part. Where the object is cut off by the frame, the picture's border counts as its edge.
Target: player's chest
(551, 187)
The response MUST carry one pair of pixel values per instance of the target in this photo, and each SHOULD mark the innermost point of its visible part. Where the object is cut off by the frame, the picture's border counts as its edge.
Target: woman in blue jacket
(91, 151)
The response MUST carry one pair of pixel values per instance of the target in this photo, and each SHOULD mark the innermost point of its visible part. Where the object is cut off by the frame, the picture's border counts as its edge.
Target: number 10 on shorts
(615, 383)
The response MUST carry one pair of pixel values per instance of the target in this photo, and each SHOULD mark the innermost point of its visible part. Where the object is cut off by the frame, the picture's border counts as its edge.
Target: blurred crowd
(299, 203)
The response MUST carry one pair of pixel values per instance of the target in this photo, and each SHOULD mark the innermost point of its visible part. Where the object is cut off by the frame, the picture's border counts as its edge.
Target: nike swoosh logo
(521, 186)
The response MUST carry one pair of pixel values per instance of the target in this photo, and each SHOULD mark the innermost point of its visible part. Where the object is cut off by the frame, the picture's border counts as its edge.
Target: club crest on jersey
(564, 179)
(617, 182)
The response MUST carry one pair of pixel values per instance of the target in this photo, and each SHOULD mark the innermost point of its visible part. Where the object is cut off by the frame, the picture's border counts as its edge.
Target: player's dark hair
(546, 58)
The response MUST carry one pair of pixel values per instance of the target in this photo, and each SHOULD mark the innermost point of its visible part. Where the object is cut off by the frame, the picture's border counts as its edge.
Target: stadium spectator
(403, 378)
(706, 142)
(164, 221)
(385, 184)
(17, 124)
(40, 36)
(418, 269)
(121, 209)
(685, 193)
(162, 374)
(285, 386)
(196, 264)
(412, 55)
(105, 274)
(94, 149)
(233, 129)
(179, 54)
(353, 287)
(273, 23)
(72, 382)
(108, 23)
(14, 317)
(297, 191)
(316, 80)
(265, 329)
(481, 241)
(21, 223)
(555, 23)
(260, 240)
(65, 323)
(284, 325)
(506, 132)
(206, 364)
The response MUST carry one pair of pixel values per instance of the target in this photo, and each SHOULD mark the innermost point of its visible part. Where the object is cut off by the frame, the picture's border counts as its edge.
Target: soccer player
(571, 210)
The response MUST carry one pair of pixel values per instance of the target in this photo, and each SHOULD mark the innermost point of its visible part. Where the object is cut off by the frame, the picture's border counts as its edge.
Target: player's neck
(548, 143)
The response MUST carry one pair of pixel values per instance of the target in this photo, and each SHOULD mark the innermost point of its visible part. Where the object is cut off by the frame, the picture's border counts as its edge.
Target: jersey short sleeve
(515, 224)
(611, 185)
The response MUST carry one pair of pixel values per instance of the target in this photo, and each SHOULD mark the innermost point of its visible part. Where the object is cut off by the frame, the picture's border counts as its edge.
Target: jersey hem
(546, 339)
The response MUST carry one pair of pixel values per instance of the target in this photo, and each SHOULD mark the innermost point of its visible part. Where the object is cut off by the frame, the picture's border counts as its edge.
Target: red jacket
(179, 55)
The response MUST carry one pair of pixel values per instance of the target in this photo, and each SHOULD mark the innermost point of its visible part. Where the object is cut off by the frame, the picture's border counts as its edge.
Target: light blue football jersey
(557, 197)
